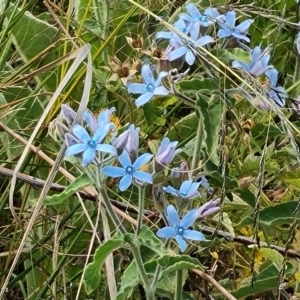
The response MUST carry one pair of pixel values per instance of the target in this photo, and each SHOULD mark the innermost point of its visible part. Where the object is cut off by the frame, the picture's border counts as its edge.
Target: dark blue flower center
(180, 230)
(150, 87)
(129, 170)
(92, 144)
(183, 30)
(183, 194)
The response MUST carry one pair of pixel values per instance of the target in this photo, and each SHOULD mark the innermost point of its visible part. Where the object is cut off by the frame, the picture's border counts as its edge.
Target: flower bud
(208, 208)
(68, 114)
(165, 154)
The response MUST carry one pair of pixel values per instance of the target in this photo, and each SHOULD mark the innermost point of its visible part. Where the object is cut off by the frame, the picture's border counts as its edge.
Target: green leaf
(92, 276)
(75, 186)
(198, 84)
(211, 119)
(172, 263)
(237, 54)
(273, 255)
(265, 281)
(274, 215)
(184, 128)
(129, 281)
(292, 178)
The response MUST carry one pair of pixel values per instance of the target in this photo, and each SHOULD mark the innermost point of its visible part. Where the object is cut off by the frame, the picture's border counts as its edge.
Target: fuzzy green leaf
(92, 273)
(75, 186)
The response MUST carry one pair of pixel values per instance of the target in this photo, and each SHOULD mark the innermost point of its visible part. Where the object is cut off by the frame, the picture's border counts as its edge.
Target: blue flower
(184, 50)
(188, 190)
(258, 64)
(89, 145)
(165, 154)
(150, 88)
(130, 170)
(196, 19)
(179, 229)
(227, 24)
(102, 120)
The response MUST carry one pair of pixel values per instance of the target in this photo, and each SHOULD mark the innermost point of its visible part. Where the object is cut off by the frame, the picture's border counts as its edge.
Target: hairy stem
(141, 209)
(178, 291)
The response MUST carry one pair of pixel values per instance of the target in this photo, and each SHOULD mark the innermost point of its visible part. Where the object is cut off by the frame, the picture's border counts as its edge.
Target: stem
(141, 208)
(149, 290)
(107, 203)
(296, 74)
(197, 149)
(178, 292)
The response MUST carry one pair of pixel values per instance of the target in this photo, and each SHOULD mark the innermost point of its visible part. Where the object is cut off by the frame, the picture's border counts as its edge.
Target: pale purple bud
(165, 154)
(61, 128)
(132, 144)
(208, 208)
(70, 140)
(179, 171)
(121, 141)
(68, 113)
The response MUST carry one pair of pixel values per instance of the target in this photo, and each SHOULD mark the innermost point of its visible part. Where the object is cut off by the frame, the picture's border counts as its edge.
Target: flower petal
(81, 133)
(161, 75)
(69, 113)
(244, 25)
(124, 159)
(101, 133)
(88, 156)
(166, 232)
(204, 40)
(143, 176)
(136, 88)
(189, 218)
(272, 74)
(179, 52)
(170, 190)
(230, 18)
(125, 182)
(181, 242)
(107, 149)
(240, 36)
(172, 216)
(193, 235)
(164, 35)
(223, 33)
(142, 160)
(113, 171)
(90, 119)
(75, 149)
(147, 74)
(141, 100)
(161, 91)
(71, 140)
(240, 65)
(185, 187)
(190, 57)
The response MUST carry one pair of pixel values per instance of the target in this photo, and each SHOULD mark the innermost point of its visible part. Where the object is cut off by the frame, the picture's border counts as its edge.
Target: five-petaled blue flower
(150, 88)
(228, 27)
(89, 145)
(130, 170)
(188, 190)
(196, 19)
(179, 229)
(258, 64)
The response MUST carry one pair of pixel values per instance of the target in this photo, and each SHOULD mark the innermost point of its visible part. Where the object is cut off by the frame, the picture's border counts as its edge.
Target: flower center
(92, 144)
(150, 87)
(129, 170)
(203, 19)
(180, 230)
(183, 30)
(123, 72)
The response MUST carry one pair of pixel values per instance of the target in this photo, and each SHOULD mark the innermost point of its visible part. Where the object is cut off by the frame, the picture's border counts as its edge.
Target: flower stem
(141, 209)
(107, 203)
(296, 75)
(197, 149)
(149, 289)
(178, 291)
